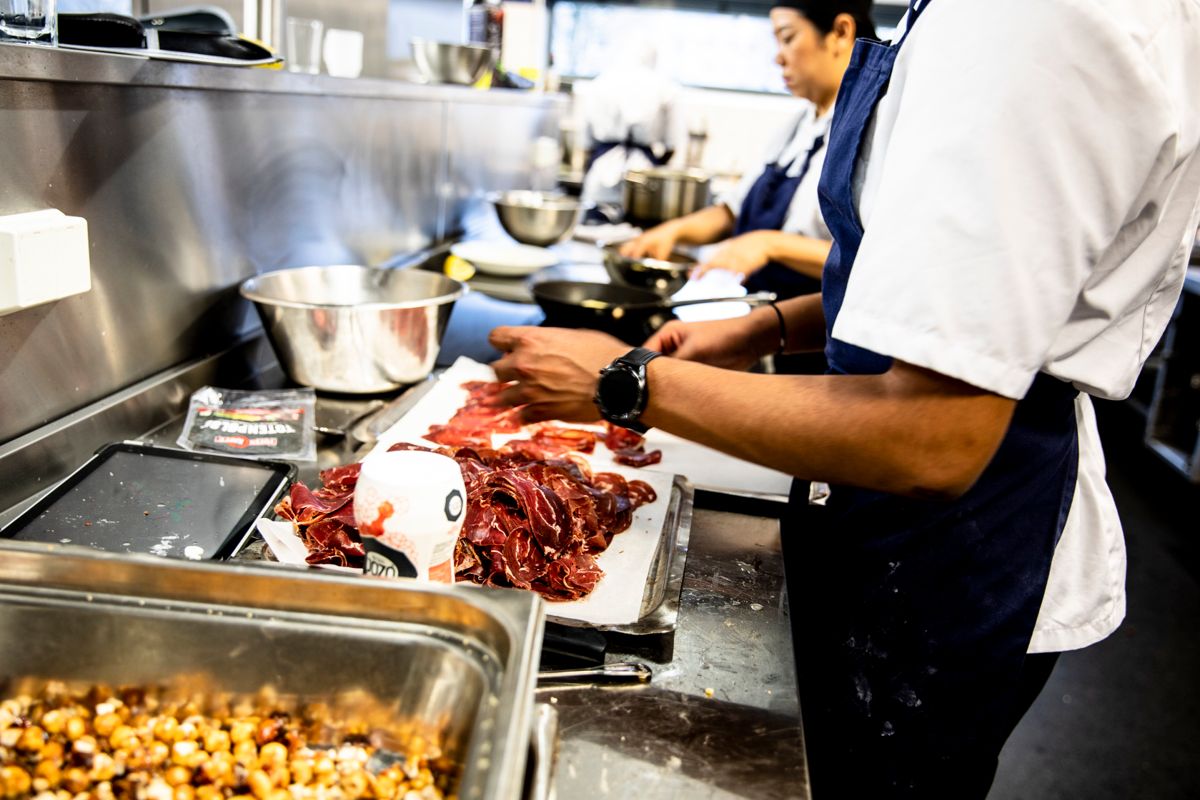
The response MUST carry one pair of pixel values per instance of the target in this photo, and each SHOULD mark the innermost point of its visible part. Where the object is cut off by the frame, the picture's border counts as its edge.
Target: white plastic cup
(409, 507)
(31, 21)
(343, 53)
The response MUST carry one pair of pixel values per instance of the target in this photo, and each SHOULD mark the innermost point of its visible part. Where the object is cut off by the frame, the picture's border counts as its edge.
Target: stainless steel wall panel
(194, 178)
(487, 148)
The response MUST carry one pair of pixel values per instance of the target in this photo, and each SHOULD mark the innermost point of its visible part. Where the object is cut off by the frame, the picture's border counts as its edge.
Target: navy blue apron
(765, 208)
(912, 617)
(604, 147)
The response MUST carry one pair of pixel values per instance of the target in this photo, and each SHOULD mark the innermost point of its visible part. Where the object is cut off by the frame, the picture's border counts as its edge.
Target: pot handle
(620, 672)
(754, 299)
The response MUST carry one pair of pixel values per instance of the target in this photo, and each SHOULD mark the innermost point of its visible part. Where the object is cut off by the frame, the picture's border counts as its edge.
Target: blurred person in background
(771, 225)
(628, 119)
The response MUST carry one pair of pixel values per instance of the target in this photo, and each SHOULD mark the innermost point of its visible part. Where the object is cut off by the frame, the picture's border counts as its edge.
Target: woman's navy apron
(765, 208)
(912, 618)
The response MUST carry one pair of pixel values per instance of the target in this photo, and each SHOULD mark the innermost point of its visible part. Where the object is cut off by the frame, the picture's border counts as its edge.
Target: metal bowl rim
(557, 201)
(647, 264)
(248, 290)
(691, 173)
(422, 41)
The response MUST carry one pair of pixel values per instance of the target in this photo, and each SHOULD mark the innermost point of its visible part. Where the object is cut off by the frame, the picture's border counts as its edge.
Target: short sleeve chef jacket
(1029, 193)
(792, 147)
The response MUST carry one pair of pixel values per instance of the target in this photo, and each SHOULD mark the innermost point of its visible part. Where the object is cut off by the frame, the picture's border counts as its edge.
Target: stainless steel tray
(660, 603)
(461, 659)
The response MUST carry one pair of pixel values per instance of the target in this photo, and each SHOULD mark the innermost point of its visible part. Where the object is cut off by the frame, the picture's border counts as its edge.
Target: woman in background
(771, 223)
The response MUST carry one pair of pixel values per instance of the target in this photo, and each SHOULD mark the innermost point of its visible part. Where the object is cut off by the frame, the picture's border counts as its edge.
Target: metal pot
(656, 195)
(631, 315)
(358, 330)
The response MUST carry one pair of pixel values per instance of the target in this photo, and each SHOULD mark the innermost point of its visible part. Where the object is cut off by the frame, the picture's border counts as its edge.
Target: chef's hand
(555, 369)
(658, 242)
(742, 255)
(726, 343)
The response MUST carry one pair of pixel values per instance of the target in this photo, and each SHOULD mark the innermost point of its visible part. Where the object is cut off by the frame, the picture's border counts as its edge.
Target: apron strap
(915, 9)
(818, 143)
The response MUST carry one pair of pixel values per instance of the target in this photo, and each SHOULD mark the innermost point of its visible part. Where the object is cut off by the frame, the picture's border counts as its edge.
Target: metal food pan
(446, 659)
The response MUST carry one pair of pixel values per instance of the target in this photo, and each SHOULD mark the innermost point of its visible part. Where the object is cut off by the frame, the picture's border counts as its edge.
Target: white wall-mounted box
(43, 257)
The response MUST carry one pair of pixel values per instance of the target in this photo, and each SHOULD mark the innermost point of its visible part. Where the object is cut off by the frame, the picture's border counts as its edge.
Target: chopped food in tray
(60, 741)
(536, 516)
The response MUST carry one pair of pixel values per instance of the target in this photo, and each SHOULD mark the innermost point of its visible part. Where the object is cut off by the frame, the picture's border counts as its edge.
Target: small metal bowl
(352, 329)
(537, 218)
(443, 62)
(662, 276)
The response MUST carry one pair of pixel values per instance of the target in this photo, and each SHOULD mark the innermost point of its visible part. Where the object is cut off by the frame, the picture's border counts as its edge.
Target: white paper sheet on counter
(704, 467)
(617, 598)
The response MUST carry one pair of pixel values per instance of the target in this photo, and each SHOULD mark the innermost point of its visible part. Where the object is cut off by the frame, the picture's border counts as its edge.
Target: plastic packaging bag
(272, 424)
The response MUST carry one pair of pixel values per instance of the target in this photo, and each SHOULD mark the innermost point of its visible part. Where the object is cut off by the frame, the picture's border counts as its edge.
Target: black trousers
(834, 772)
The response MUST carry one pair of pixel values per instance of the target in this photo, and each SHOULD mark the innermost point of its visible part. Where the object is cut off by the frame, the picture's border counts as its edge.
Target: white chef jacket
(792, 146)
(1034, 212)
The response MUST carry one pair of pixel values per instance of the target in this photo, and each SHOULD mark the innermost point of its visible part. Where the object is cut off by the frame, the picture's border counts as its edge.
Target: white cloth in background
(1048, 150)
(792, 146)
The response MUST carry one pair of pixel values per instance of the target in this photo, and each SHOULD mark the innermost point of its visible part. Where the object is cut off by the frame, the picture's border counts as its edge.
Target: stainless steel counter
(720, 719)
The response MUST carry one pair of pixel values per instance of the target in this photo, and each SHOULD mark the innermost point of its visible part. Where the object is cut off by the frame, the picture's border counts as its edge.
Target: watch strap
(639, 357)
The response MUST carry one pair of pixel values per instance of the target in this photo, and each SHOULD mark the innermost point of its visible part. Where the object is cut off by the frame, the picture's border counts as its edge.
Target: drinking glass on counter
(304, 45)
(30, 21)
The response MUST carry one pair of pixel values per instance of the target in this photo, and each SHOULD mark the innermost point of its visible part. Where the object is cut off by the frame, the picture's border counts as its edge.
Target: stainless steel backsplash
(194, 178)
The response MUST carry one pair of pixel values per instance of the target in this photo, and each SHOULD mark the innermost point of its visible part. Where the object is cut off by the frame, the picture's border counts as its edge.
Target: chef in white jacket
(1016, 192)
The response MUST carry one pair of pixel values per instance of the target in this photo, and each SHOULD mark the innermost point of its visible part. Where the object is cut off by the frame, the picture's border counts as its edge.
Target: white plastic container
(409, 507)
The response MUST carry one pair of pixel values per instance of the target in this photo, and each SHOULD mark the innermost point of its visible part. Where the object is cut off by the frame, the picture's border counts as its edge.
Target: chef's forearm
(803, 254)
(909, 431)
(804, 318)
(708, 225)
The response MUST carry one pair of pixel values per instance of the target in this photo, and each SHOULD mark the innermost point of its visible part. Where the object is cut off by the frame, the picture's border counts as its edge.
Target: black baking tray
(137, 498)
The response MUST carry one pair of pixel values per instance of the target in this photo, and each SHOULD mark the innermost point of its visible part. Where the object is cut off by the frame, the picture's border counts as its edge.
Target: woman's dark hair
(822, 13)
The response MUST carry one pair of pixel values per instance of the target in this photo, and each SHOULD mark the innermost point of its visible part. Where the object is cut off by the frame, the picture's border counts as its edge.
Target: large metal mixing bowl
(358, 330)
(537, 218)
(443, 62)
(665, 277)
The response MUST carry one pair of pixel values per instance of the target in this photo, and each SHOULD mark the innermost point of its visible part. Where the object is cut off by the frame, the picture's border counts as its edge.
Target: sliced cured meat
(641, 493)
(535, 518)
(459, 437)
(577, 439)
(636, 458)
(618, 438)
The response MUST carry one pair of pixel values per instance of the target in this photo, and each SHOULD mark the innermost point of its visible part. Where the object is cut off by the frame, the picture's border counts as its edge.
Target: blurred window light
(696, 48)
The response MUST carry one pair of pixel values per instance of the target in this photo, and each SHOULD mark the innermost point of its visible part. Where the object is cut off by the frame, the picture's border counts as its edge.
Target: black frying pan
(625, 312)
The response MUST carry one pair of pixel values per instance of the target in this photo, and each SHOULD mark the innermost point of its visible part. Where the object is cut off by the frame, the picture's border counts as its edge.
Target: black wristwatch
(622, 394)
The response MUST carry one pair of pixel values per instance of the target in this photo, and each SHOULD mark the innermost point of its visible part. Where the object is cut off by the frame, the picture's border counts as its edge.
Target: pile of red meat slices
(485, 413)
(536, 514)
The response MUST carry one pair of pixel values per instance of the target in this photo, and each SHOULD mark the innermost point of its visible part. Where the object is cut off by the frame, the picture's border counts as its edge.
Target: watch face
(620, 391)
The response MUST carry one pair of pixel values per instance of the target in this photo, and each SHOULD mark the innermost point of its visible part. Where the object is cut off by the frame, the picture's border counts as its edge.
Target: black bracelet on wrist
(782, 330)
